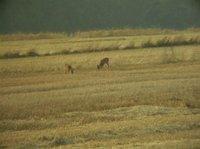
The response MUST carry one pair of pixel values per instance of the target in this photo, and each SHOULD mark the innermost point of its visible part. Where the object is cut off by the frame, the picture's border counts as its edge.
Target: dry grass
(137, 125)
(131, 32)
(95, 34)
(149, 98)
(176, 41)
(31, 36)
(58, 44)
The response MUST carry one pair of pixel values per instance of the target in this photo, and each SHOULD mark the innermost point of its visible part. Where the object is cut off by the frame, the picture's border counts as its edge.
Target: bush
(32, 53)
(195, 40)
(164, 42)
(147, 44)
(17, 54)
(11, 55)
(63, 52)
(180, 41)
(167, 42)
(57, 141)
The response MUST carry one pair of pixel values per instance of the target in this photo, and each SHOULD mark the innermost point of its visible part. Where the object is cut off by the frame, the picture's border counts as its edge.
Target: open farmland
(149, 98)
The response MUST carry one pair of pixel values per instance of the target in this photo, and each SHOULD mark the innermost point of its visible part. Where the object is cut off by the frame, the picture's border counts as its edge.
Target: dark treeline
(77, 15)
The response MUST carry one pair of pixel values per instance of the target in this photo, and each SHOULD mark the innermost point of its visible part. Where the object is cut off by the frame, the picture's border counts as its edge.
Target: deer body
(103, 62)
(69, 69)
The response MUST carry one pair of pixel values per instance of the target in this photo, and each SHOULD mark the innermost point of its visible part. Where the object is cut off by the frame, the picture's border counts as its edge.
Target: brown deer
(103, 62)
(69, 69)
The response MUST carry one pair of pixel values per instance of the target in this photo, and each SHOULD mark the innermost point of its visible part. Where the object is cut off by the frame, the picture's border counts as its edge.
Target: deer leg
(108, 65)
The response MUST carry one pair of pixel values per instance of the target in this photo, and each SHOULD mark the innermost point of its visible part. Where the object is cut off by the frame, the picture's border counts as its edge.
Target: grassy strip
(167, 42)
(31, 36)
(163, 42)
(130, 32)
(95, 33)
(92, 48)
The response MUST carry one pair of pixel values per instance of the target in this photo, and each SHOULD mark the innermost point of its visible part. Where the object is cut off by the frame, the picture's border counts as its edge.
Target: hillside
(70, 16)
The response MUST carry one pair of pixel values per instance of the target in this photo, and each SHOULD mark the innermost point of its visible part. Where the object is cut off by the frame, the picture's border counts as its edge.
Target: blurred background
(80, 15)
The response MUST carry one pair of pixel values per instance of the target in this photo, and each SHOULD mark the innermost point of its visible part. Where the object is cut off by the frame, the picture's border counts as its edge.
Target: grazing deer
(69, 69)
(103, 62)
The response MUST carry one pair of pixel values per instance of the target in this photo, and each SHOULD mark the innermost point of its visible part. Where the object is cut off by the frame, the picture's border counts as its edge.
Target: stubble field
(148, 98)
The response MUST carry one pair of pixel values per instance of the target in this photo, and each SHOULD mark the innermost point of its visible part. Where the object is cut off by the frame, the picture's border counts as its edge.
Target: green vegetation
(148, 98)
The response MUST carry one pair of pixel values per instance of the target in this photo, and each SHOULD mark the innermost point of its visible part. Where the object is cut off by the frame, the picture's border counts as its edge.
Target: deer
(103, 62)
(69, 69)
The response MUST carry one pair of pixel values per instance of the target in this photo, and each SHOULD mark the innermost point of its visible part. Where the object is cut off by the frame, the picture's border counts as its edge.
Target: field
(148, 98)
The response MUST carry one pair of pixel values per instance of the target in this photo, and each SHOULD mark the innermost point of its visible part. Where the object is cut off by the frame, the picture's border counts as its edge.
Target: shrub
(164, 42)
(15, 54)
(57, 141)
(148, 43)
(63, 52)
(180, 41)
(194, 40)
(167, 42)
(32, 53)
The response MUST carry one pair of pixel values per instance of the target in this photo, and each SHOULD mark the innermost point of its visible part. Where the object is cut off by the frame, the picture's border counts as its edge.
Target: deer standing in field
(69, 69)
(103, 62)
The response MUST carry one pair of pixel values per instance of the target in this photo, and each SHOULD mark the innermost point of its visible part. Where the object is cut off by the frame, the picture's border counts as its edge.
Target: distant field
(59, 44)
(149, 98)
